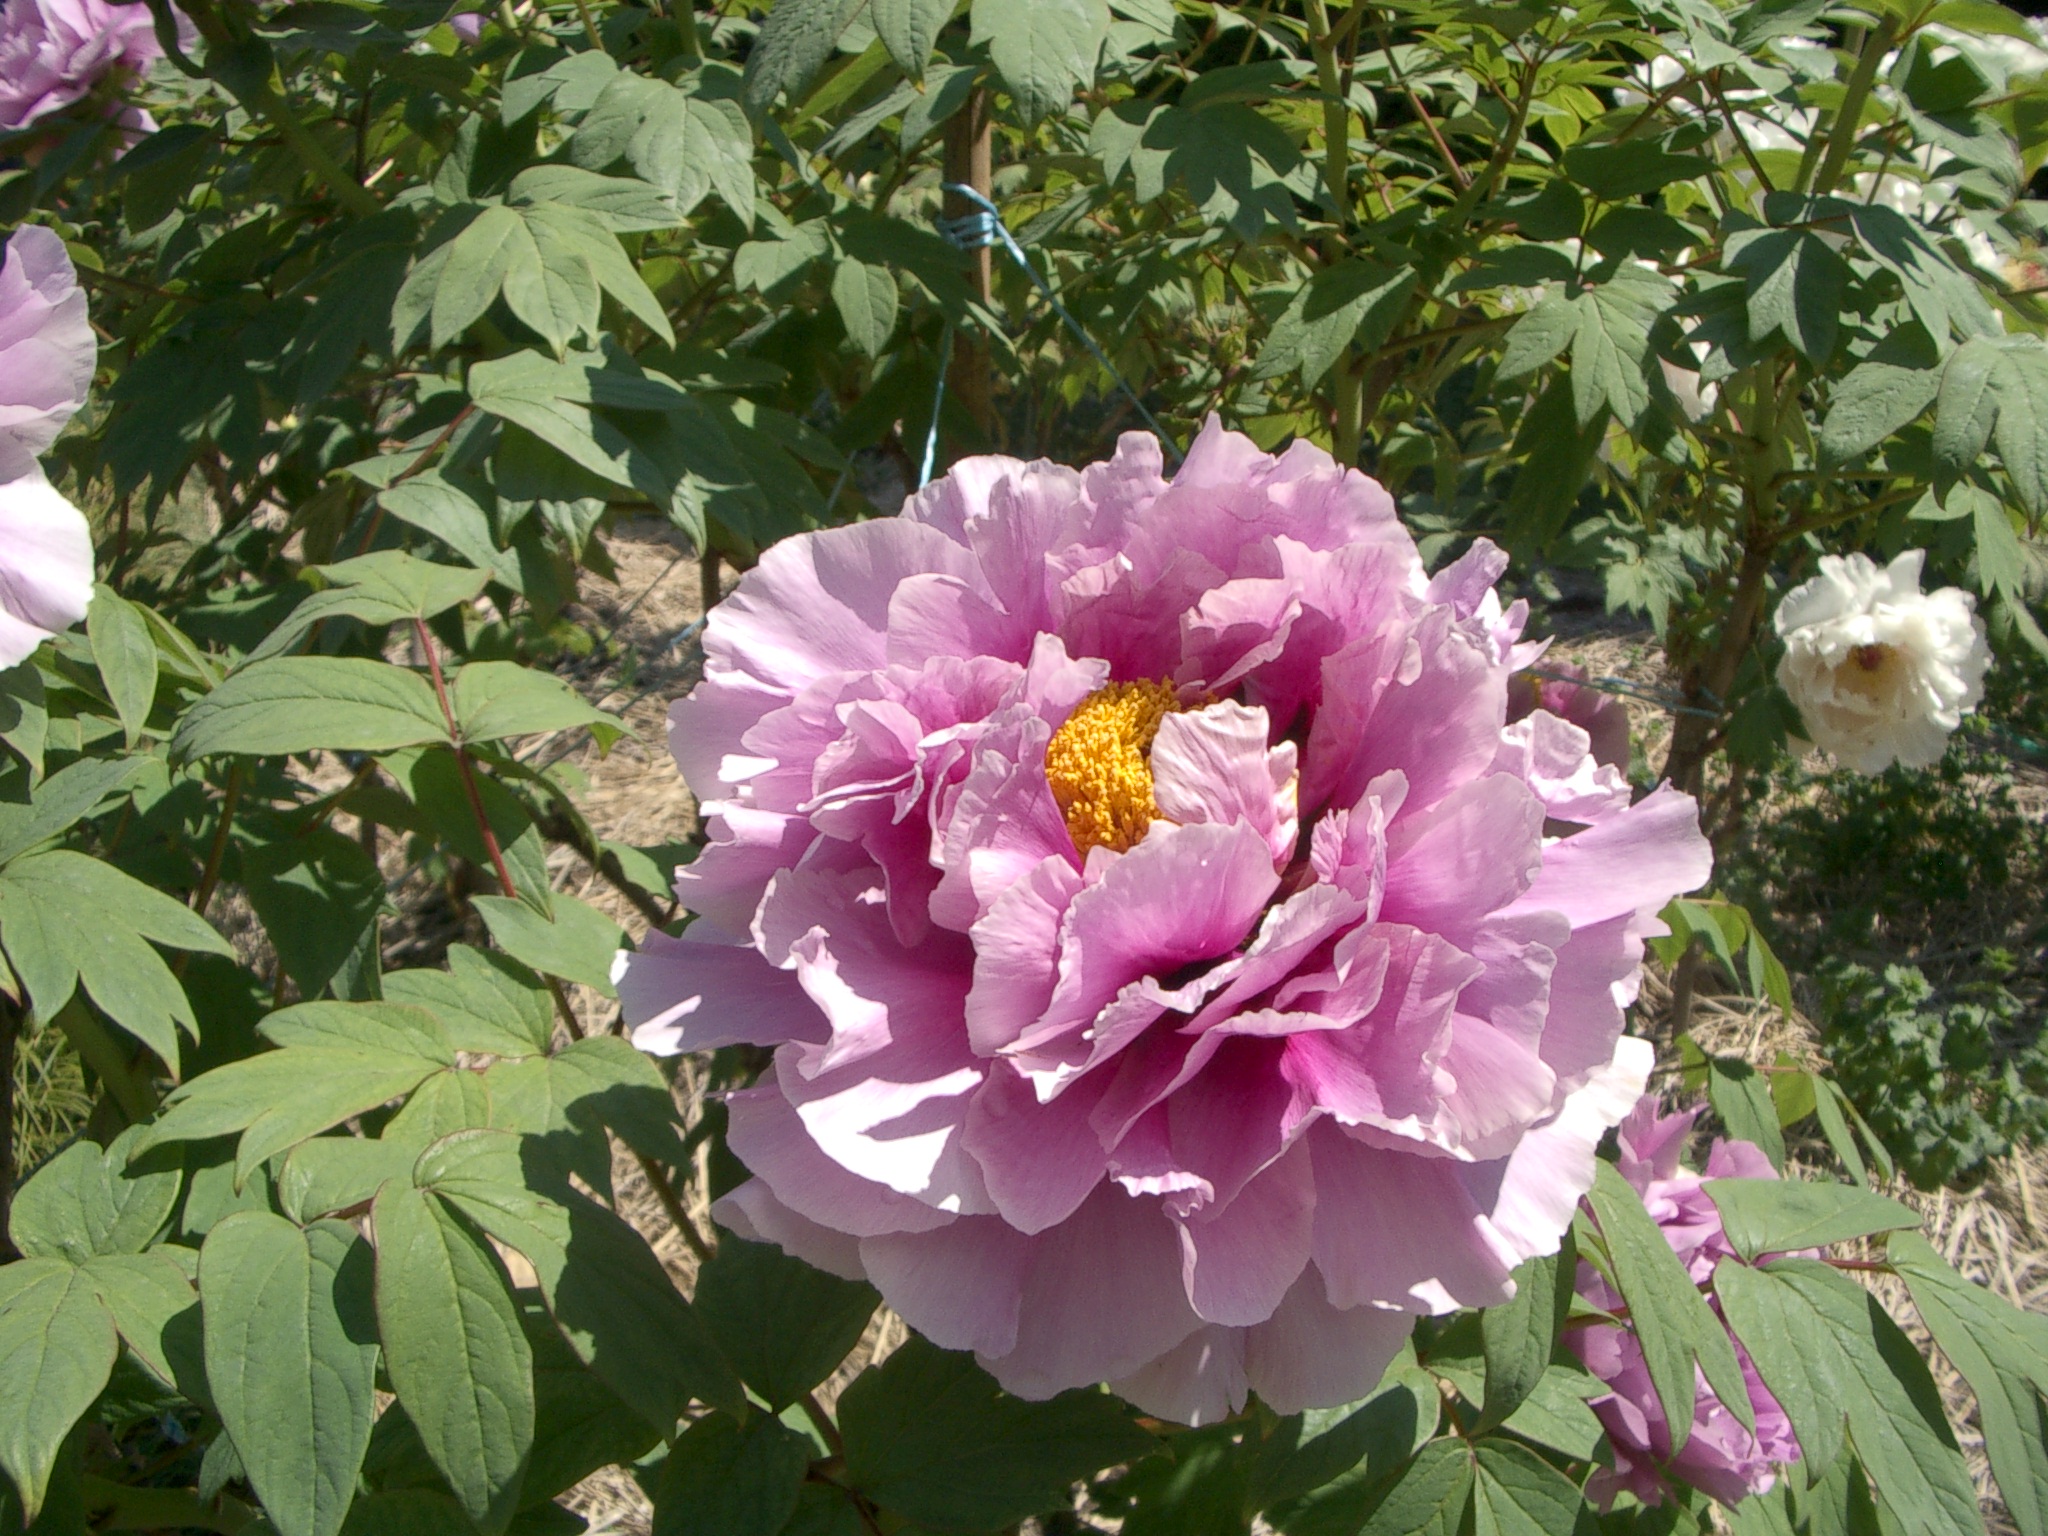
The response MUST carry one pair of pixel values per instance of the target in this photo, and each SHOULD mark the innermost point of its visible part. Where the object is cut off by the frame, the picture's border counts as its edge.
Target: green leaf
(63, 798)
(1825, 1348)
(1827, 1109)
(1429, 1498)
(634, 429)
(442, 796)
(448, 512)
(578, 945)
(485, 1001)
(1795, 284)
(784, 1325)
(580, 1425)
(332, 1173)
(1515, 1492)
(576, 242)
(1539, 336)
(930, 1436)
(310, 703)
(385, 588)
(84, 1201)
(1742, 1098)
(1674, 1324)
(685, 144)
(1043, 49)
(1780, 1215)
(455, 1351)
(1618, 172)
(1871, 403)
(58, 923)
(125, 653)
(1555, 1414)
(1521, 1335)
(318, 894)
(1996, 392)
(379, 1027)
(278, 1099)
(866, 298)
(1351, 301)
(495, 699)
(25, 715)
(1611, 349)
(909, 29)
(728, 1478)
(796, 38)
(148, 1296)
(1327, 1479)
(2003, 1353)
(57, 1348)
(608, 1293)
(626, 204)
(291, 1359)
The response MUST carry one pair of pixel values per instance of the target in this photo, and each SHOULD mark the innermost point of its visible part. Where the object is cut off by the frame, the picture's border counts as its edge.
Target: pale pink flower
(54, 53)
(467, 26)
(1169, 977)
(47, 353)
(1720, 1458)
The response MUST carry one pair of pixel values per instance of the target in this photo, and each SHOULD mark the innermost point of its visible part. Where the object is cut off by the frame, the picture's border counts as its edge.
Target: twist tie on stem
(985, 227)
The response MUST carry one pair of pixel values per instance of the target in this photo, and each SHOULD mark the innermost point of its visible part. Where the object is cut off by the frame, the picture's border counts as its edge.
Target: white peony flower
(1881, 671)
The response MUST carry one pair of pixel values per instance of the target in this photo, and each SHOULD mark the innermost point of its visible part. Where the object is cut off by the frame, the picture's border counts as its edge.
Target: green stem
(1849, 118)
(1336, 111)
(116, 1067)
(1348, 432)
(10, 1031)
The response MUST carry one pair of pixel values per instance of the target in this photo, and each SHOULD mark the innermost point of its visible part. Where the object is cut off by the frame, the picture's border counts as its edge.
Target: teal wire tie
(985, 227)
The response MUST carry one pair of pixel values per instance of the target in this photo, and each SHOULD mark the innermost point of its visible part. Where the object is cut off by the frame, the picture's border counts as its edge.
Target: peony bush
(1158, 1010)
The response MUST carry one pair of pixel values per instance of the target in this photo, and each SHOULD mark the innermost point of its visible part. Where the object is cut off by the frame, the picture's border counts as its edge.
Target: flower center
(1869, 670)
(1097, 766)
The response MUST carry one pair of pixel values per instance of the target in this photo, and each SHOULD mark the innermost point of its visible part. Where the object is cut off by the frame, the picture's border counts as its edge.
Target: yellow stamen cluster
(1097, 764)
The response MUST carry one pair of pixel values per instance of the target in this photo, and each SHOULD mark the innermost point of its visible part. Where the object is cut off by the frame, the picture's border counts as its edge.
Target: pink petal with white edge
(1308, 1354)
(1199, 1381)
(1638, 859)
(1401, 1231)
(1102, 1298)
(873, 991)
(698, 993)
(1474, 851)
(768, 1137)
(1531, 1196)
(1213, 765)
(705, 726)
(960, 1286)
(1039, 1161)
(1183, 894)
(753, 1212)
(819, 603)
(1238, 1263)
(1015, 946)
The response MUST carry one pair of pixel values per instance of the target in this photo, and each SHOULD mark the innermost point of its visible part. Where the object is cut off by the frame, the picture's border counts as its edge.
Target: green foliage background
(395, 325)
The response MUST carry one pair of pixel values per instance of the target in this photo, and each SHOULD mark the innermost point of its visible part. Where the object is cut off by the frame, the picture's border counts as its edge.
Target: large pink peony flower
(1174, 976)
(54, 53)
(1721, 1458)
(47, 353)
